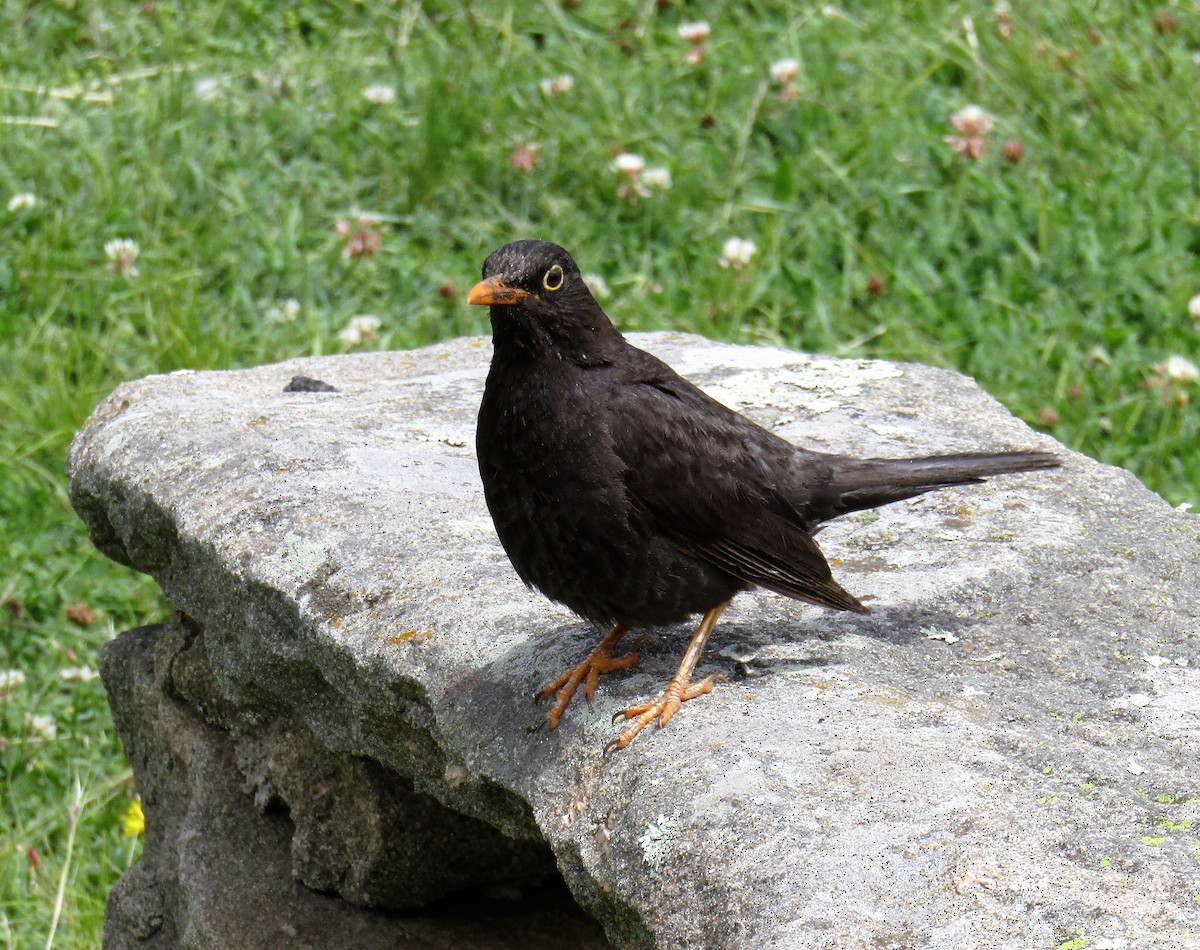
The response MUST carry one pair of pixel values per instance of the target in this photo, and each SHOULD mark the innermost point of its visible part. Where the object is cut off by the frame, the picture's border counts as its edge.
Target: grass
(227, 139)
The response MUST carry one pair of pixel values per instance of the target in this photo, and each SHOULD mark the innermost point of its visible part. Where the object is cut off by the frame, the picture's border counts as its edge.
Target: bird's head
(540, 305)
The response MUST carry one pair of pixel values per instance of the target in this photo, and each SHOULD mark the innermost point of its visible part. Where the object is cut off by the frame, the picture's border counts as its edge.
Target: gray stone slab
(1003, 754)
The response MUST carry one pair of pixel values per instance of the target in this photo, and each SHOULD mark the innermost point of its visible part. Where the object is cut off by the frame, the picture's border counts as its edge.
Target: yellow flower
(133, 825)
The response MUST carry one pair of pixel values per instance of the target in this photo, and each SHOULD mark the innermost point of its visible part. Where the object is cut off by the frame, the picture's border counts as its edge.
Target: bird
(623, 491)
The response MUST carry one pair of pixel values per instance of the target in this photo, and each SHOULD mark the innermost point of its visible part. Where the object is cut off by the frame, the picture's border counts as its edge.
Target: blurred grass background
(228, 139)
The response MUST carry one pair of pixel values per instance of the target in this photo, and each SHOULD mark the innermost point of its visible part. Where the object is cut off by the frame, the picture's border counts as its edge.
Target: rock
(217, 872)
(1002, 754)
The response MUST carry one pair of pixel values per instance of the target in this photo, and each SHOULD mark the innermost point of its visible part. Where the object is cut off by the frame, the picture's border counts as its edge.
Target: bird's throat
(520, 336)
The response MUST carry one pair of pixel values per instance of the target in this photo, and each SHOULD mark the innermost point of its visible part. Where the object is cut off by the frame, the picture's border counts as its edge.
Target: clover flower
(211, 88)
(973, 126)
(631, 166)
(524, 158)
(77, 674)
(1179, 369)
(784, 71)
(379, 95)
(362, 235)
(360, 329)
(285, 311)
(11, 680)
(23, 201)
(41, 727)
(121, 253)
(558, 85)
(695, 34)
(659, 178)
(783, 74)
(1004, 20)
(1172, 379)
(1194, 308)
(737, 252)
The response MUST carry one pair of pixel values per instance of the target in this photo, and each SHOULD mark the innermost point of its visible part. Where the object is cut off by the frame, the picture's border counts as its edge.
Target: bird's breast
(560, 499)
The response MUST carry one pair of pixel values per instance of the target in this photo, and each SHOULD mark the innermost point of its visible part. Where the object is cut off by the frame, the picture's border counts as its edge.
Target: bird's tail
(869, 483)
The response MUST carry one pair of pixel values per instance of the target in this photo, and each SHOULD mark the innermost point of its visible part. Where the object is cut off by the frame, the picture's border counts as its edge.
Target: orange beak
(493, 291)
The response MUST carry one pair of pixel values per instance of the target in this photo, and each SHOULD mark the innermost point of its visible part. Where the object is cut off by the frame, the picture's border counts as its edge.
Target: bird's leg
(600, 660)
(678, 691)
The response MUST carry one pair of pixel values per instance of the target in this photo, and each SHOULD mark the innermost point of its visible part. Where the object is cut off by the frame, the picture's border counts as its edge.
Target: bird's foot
(599, 661)
(678, 692)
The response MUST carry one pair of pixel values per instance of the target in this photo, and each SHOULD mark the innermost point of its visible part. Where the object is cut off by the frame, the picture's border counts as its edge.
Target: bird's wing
(710, 481)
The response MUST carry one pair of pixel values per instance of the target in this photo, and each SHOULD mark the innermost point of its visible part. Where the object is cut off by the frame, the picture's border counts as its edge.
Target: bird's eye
(553, 278)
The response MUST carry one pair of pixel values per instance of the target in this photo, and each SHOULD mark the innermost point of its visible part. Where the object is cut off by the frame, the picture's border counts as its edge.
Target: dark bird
(621, 490)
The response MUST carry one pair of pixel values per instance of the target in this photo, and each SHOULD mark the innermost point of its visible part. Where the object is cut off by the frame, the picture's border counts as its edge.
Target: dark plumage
(623, 491)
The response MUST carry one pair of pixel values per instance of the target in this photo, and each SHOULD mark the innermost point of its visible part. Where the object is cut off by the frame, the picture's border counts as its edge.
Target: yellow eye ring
(553, 278)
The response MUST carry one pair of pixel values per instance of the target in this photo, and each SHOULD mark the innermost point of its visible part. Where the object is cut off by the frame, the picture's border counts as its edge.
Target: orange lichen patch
(835, 562)
(420, 635)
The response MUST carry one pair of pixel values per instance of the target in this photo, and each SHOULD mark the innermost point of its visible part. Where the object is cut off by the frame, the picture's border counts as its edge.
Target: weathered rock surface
(1003, 754)
(216, 872)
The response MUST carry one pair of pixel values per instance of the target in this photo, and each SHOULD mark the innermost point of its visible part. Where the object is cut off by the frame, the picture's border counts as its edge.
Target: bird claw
(678, 692)
(598, 662)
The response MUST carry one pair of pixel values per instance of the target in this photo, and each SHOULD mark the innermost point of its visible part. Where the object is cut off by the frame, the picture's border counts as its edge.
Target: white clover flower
(121, 253)
(694, 32)
(1002, 13)
(597, 285)
(972, 121)
(24, 201)
(1193, 305)
(737, 253)
(785, 71)
(1179, 369)
(359, 329)
(210, 89)
(559, 85)
(285, 311)
(10, 680)
(379, 95)
(41, 728)
(974, 124)
(629, 164)
(361, 234)
(524, 156)
(77, 674)
(657, 178)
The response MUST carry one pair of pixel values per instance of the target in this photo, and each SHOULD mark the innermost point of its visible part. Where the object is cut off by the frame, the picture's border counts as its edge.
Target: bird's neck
(592, 341)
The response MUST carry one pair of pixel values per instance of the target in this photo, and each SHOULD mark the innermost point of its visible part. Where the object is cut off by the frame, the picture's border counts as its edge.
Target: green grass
(1059, 282)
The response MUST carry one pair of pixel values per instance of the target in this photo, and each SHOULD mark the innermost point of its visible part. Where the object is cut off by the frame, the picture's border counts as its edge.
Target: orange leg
(678, 691)
(600, 660)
